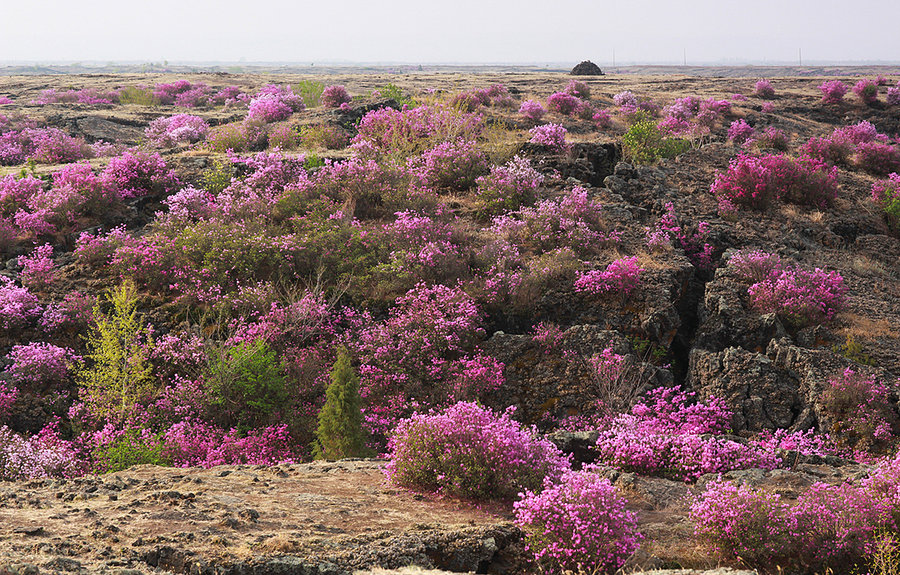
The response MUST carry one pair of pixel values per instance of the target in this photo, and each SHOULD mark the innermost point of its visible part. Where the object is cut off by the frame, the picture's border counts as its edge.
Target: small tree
(117, 373)
(340, 433)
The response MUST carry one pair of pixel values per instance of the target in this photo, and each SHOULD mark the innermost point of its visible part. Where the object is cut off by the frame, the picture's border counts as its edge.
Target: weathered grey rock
(760, 395)
(100, 129)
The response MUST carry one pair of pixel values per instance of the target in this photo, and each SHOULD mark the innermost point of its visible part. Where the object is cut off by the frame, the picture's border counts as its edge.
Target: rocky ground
(319, 518)
(331, 518)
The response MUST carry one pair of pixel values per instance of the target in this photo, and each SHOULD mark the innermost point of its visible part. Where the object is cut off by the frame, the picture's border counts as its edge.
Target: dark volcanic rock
(99, 129)
(760, 395)
(586, 68)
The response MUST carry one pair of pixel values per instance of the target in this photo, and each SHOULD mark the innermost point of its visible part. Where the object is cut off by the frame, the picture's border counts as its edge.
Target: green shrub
(340, 433)
(218, 177)
(136, 95)
(117, 374)
(247, 384)
(643, 143)
(129, 449)
(310, 91)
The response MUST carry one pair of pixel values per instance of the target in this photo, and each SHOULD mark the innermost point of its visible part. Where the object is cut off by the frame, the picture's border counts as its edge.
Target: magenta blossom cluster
(40, 365)
(830, 526)
(552, 136)
(532, 109)
(452, 165)
(193, 443)
(833, 91)
(666, 434)
(764, 89)
(622, 276)
(568, 105)
(387, 130)
(172, 130)
(509, 186)
(43, 455)
(668, 232)
(866, 91)
(334, 96)
(754, 181)
(38, 270)
(136, 174)
(799, 296)
(43, 145)
(88, 96)
(861, 408)
(578, 524)
(495, 95)
(740, 131)
(886, 195)
(8, 397)
(470, 451)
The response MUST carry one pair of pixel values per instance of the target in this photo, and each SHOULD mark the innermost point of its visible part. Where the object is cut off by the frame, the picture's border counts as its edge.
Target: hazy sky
(476, 31)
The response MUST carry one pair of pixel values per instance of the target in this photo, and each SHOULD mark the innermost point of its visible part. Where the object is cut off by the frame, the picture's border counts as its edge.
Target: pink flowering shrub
(573, 220)
(621, 276)
(877, 158)
(577, 524)
(135, 174)
(532, 110)
(625, 100)
(191, 203)
(43, 145)
(452, 165)
(664, 434)
(668, 232)
(798, 296)
(408, 132)
(268, 108)
(38, 269)
(740, 131)
(602, 119)
(578, 89)
(565, 104)
(893, 96)
(334, 96)
(508, 187)
(194, 443)
(18, 306)
(740, 523)
(43, 455)
(40, 365)
(763, 89)
(866, 91)
(166, 93)
(834, 527)
(774, 138)
(470, 451)
(552, 136)
(172, 130)
(75, 310)
(861, 411)
(754, 181)
(886, 195)
(422, 355)
(833, 91)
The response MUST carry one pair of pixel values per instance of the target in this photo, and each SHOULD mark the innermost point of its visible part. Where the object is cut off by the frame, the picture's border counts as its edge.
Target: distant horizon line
(387, 63)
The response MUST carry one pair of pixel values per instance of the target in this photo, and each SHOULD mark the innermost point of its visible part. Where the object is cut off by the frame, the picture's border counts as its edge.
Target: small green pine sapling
(340, 433)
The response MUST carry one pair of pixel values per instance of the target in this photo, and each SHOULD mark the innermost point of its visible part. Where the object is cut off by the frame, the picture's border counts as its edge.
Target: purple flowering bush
(508, 187)
(754, 181)
(172, 130)
(43, 455)
(578, 523)
(532, 110)
(40, 365)
(866, 91)
(833, 91)
(334, 96)
(565, 104)
(740, 131)
(136, 174)
(471, 452)
(861, 411)
(666, 434)
(764, 89)
(552, 136)
(800, 297)
(622, 276)
(454, 165)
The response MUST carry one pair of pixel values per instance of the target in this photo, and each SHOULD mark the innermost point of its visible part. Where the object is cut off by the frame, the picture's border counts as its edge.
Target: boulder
(586, 68)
